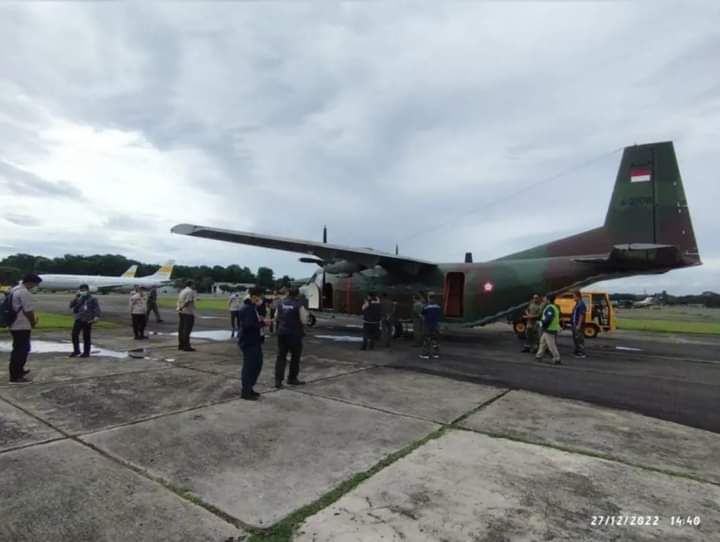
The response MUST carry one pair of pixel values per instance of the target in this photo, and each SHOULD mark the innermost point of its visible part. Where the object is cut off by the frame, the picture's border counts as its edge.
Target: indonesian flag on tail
(640, 175)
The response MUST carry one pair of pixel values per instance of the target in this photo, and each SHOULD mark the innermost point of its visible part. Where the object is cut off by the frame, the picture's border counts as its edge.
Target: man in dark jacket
(291, 317)
(250, 340)
(372, 315)
(87, 311)
(152, 305)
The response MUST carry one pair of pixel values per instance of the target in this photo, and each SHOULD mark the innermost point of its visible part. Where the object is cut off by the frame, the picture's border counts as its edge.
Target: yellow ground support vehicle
(600, 316)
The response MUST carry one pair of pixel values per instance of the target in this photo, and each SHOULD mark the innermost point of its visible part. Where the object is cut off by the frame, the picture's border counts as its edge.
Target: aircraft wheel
(311, 320)
(590, 331)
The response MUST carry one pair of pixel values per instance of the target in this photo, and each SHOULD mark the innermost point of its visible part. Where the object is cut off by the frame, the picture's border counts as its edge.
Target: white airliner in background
(98, 283)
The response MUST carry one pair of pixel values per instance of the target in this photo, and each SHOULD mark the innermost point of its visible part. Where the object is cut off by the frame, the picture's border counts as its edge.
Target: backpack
(8, 315)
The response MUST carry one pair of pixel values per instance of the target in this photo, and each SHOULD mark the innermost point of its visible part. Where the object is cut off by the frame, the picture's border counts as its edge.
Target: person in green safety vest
(550, 323)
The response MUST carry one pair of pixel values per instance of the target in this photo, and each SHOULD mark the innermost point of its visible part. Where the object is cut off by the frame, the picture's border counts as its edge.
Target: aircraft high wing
(327, 254)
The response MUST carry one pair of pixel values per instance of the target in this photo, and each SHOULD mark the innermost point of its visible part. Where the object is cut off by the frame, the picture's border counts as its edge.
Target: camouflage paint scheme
(647, 230)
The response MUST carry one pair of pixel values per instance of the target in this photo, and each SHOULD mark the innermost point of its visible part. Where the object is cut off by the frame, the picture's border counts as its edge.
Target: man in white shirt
(186, 314)
(23, 305)
(138, 313)
(235, 303)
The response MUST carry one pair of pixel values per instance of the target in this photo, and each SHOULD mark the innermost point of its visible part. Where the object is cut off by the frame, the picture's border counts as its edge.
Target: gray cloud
(380, 123)
(21, 219)
(24, 183)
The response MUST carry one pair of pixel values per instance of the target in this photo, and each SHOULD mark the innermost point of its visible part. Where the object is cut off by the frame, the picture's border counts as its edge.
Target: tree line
(12, 268)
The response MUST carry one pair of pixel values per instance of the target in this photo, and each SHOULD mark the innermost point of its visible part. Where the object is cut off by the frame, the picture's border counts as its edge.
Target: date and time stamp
(631, 520)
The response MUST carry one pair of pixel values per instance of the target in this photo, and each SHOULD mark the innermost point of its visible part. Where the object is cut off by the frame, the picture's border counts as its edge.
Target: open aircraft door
(453, 295)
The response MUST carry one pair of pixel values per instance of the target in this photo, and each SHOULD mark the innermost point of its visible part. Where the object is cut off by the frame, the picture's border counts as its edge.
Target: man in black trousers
(250, 340)
(87, 311)
(186, 316)
(291, 316)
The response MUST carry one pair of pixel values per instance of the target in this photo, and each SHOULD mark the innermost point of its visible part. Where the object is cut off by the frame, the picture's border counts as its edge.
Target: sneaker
(249, 397)
(189, 349)
(255, 394)
(580, 356)
(423, 356)
(296, 382)
(86, 355)
(436, 356)
(74, 354)
(279, 385)
(557, 362)
(526, 349)
(21, 380)
(26, 371)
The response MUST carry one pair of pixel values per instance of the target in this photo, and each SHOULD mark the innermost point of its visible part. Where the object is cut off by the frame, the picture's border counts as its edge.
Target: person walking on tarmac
(152, 305)
(372, 315)
(291, 317)
(550, 325)
(87, 311)
(578, 322)
(532, 316)
(250, 340)
(431, 314)
(186, 316)
(138, 313)
(417, 309)
(388, 319)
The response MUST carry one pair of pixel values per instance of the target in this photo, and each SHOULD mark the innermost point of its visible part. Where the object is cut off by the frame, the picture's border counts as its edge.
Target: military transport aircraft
(647, 230)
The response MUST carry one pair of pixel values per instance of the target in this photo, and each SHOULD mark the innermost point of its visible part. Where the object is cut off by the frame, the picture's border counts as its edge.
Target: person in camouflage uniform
(532, 316)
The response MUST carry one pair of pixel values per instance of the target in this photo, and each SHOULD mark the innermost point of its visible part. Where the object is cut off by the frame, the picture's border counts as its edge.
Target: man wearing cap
(24, 306)
(87, 311)
(186, 314)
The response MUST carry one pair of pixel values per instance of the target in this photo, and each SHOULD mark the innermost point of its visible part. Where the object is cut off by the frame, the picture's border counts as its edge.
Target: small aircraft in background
(647, 230)
(99, 283)
(651, 301)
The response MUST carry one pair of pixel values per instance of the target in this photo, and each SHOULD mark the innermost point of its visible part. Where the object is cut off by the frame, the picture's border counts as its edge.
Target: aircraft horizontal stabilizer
(638, 256)
(365, 257)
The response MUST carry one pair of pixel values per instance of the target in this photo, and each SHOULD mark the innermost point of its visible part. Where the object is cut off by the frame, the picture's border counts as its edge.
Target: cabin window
(454, 294)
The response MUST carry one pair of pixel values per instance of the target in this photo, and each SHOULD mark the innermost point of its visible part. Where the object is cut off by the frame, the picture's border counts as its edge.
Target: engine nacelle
(342, 267)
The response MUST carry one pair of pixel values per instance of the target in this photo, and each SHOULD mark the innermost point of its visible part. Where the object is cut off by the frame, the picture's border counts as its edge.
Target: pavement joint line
(32, 444)
(178, 491)
(588, 453)
(283, 530)
(80, 378)
(364, 405)
(480, 407)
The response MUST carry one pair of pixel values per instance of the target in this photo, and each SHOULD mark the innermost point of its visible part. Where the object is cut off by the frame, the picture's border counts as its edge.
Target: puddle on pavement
(213, 334)
(52, 347)
(356, 326)
(628, 349)
(340, 338)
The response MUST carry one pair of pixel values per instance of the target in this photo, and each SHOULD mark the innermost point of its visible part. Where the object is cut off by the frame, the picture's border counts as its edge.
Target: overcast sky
(406, 122)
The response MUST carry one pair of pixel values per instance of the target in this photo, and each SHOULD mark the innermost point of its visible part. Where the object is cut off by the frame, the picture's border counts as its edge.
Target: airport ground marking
(588, 453)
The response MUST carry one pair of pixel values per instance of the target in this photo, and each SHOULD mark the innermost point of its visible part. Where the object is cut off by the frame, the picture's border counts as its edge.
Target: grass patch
(50, 321)
(284, 530)
(669, 326)
(211, 303)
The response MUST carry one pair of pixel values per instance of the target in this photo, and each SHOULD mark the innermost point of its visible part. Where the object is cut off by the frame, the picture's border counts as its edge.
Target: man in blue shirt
(431, 313)
(578, 321)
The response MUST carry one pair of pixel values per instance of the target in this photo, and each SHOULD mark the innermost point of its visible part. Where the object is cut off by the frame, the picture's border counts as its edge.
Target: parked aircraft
(651, 301)
(99, 283)
(647, 230)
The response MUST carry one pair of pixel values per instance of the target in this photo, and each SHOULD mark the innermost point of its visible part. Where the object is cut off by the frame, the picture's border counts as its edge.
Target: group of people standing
(380, 320)
(542, 319)
(288, 316)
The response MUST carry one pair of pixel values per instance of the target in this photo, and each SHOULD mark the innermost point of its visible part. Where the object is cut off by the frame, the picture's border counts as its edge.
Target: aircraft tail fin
(648, 205)
(165, 272)
(130, 273)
